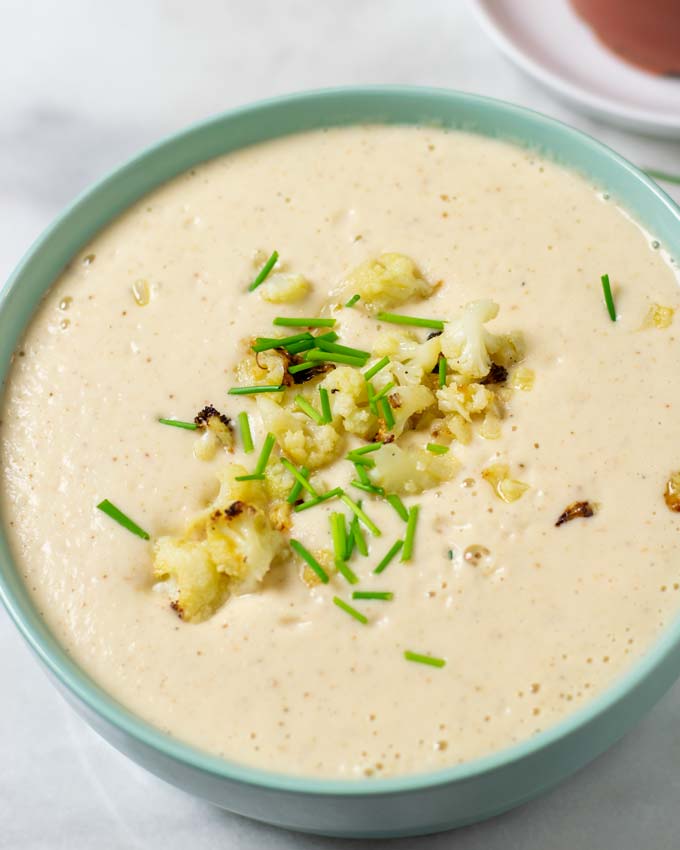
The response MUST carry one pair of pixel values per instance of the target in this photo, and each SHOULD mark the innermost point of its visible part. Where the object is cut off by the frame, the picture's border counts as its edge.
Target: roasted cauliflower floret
(215, 431)
(197, 588)
(266, 367)
(284, 288)
(406, 401)
(228, 547)
(407, 471)
(467, 344)
(464, 399)
(299, 438)
(387, 281)
(410, 360)
(349, 401)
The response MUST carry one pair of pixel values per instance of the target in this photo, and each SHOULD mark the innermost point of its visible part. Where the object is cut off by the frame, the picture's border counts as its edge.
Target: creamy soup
(527, 619)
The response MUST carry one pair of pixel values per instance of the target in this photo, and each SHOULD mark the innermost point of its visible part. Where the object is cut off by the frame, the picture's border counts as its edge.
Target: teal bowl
(406, 805)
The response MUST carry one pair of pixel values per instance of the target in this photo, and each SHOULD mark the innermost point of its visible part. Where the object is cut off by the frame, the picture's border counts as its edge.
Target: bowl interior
(297, 113)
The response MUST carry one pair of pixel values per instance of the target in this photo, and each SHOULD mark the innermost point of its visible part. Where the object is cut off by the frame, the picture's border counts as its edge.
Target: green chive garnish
(608, 298)
(361, 515)
(368, 488)
(376, 367)
(342, 349)
(246, 435)
(349, 610)
(177, 423)
(300, 367)
(254, 390)
(264, 271)
(266, 343)
(116, 514)
(299, 477)
(437, 449)
(370, 392)
(299, 347)
(398, 506)
(329, 336)
(383, 392)
(394, 549)
(285, 322)
(307, 556)
(353, 300)
(384, 595)
(358, 539)
(254, 476)
(263, 459)
(346, 572)
(361, 471)
(294, 494)
(416, 321)
(442, 371)
(424, 659)
(663, 175)
(339, 535)
(388, 416)
(317, 500)
(363, 462)
(326, 411)
(315, 355)
(307, 408)
(351, 542)
(367, 449)
(410, 533)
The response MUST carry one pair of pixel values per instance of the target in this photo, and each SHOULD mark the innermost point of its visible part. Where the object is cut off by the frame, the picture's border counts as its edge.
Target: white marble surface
(82, 87)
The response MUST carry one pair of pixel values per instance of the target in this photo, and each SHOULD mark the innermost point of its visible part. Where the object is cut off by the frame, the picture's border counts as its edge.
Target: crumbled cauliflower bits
(659, 317)
(506, 488)
(284, 288)
(387, 281)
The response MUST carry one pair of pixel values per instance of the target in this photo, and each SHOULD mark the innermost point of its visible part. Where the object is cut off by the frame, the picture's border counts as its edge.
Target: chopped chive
(358, 539)
(307, 556)
(264, 271)
(254, 390)
(376, 367)
(300, 367)
(442, 367)
(177, 423)
(424, 659)
(331, 357)
(307, 408)
(342, 349)
(383, 392)
(349, 610)
(368, 488)
(116, 514)
(246, 435)
(384, 595)
(346, 571)
(255, 476)
(296, 489)
(299, 347)
(389, 557)
(285, 322)
(663, 175)
(317, 500)
(329, 336)
(361, 473)
(388, 416)
(350, 541)
(361, 515)
(353, 300)
(608, 298)
(437, 449)
(370, 392)
(326, 411)
(363, 462)
(339, 535)
(367, 449)
(299, 477)
(398, 506)
(265, 343)
(416, 321)
(410, 533)
(266, 450)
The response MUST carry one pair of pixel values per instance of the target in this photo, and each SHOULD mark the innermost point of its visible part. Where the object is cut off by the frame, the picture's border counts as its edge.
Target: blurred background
(83, 86)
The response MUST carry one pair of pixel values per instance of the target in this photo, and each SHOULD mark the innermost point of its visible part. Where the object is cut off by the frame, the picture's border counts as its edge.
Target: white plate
(549, 41)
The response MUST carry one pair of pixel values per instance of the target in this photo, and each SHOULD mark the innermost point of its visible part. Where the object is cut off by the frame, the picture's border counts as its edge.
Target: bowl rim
(78, 683)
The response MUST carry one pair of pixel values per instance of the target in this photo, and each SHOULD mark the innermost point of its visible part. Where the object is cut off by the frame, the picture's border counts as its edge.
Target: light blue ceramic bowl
(376, 807)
